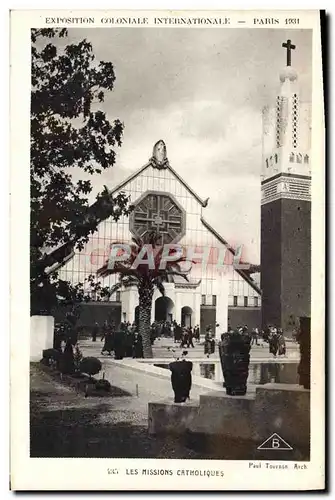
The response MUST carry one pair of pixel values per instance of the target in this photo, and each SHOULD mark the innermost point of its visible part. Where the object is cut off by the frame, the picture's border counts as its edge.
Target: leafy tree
(146, 279)
(68, 134)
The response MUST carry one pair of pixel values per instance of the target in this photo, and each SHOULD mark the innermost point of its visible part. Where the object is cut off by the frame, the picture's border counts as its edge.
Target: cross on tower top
(289, 47)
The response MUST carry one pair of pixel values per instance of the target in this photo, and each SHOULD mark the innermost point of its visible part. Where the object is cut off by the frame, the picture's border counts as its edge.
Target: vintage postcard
(167, 238)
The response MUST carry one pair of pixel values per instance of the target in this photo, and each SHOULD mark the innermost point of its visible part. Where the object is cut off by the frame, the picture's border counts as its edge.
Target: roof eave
(240, 272)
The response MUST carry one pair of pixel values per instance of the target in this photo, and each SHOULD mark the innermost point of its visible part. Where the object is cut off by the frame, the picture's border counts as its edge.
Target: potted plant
(234, 350)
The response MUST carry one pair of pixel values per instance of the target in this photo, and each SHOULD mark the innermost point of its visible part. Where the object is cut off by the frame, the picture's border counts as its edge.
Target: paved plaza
(162, 349)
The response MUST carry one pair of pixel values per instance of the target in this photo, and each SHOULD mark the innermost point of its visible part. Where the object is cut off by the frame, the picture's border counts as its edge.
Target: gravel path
(66, 424)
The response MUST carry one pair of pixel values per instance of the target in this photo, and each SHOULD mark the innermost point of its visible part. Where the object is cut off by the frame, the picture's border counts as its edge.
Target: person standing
(95, 332)
(273, 342)
(104, 330)
(67, 358)
(179, 333)
(109, 344)
(119, 341)
(190, 337)
(212, 345)
(208, 341)
(181, 378)
(184, 338)
(129, 341)
(254, 336)
(281, 343)
(137, 345)
(174, 326)
(159, 329)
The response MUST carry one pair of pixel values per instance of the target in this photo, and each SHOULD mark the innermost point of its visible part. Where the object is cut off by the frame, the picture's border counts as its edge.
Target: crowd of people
(271, 335)
(125, 341)
(180, 334)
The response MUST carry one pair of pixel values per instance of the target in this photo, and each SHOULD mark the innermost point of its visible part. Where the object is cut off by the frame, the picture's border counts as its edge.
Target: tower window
(245, 301)
(292, 157)
(235, 300)
(278, 120)
(118, 296)
(214, 300)
(306, 159)
(256, 301)
(276, 158)
(294, 119)
(203, 300)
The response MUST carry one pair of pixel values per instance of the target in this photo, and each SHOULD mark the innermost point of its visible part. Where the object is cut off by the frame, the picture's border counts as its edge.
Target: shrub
(50, 356)
(103, 385)
(77, 358)
(90, 365)
(50, 353)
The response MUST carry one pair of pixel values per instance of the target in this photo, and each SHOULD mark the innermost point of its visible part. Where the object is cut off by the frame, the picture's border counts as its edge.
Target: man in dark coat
(181, 378)
(281, 343)
(137, 346)
(208, 342)
(177, 332)
(67, 358)
(273, 342)
(129, 340)
(197, 333)
(95, 332)
(184, 338)
(190, 337)
(105, 329)
(109, 342)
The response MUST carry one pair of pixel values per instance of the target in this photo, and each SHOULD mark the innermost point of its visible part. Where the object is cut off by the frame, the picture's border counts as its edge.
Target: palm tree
(146, 280)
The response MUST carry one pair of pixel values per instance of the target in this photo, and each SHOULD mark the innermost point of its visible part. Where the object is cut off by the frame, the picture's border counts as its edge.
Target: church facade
(216, 292)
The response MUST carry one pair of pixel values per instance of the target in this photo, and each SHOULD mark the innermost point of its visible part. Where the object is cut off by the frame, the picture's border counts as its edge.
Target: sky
(202, 91)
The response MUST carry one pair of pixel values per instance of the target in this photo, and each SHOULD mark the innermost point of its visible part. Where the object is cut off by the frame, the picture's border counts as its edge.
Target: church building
(286, 205)
(163, 201)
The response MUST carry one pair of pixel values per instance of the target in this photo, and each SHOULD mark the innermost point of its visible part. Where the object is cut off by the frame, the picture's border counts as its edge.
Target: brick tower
(286, 206)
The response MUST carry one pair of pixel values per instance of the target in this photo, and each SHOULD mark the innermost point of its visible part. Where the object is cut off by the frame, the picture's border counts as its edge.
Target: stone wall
(274, 408)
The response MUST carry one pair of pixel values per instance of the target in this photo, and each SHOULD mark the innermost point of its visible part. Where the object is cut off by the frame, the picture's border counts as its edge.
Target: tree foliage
(69, 134)
(146, 278)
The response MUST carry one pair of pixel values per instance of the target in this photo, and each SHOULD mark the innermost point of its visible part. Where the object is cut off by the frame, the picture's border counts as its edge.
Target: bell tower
(286, 204)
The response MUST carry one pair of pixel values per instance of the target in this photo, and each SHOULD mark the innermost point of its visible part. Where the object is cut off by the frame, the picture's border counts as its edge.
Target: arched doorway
(164, 309)
(186, 316)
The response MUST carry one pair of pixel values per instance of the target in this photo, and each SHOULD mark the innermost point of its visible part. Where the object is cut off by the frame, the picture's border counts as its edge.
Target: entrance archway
(186, 316)
(164, 309)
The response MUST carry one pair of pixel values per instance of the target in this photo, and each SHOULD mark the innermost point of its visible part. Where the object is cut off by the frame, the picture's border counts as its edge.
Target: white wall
(41, 335)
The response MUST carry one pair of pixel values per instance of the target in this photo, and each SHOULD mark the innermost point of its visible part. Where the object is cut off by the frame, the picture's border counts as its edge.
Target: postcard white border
(91, 474)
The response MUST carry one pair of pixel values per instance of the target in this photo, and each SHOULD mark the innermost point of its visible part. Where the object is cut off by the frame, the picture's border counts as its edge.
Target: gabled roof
(167, 167)
(59, 256)
(243, 273)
